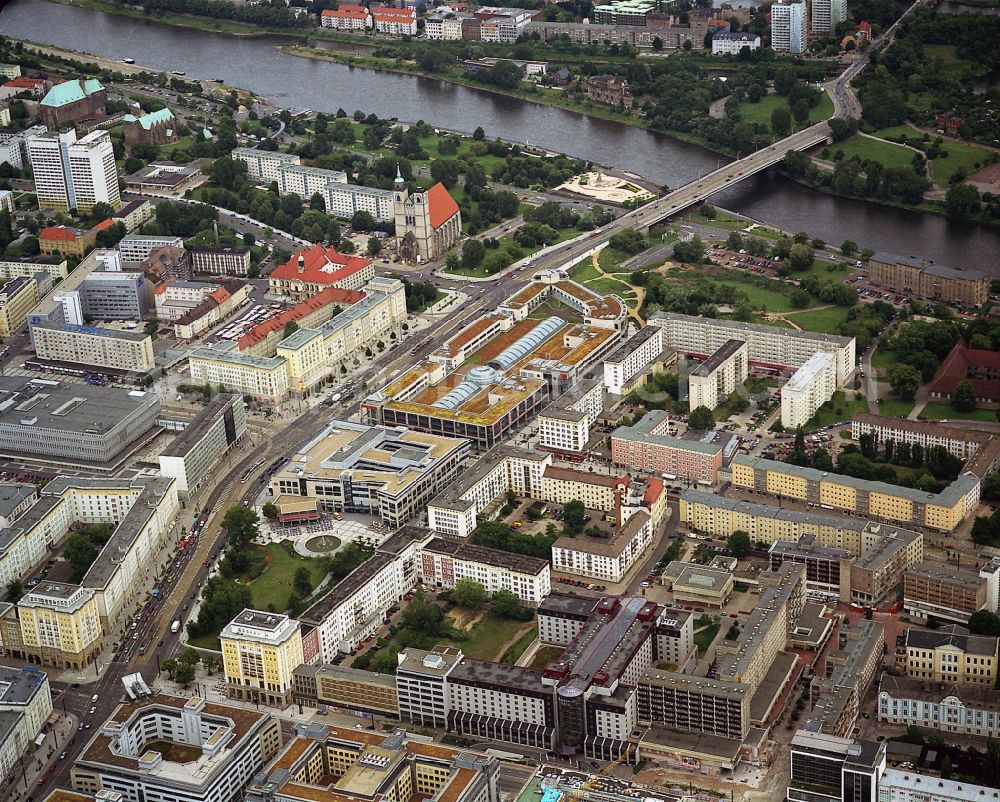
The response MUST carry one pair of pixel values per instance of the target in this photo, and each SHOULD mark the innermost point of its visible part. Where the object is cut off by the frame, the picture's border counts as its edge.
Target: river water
(258, 65)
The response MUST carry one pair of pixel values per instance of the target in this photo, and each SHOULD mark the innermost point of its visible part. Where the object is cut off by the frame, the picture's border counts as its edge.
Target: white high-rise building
(825, 15)
(74, 174)
(788, 26)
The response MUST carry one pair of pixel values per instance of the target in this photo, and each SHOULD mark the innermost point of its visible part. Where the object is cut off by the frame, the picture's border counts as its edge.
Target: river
(258, 65)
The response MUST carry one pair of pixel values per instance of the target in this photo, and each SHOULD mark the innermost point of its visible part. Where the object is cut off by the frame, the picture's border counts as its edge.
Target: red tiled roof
(863, 26)
(59, 233)
(442, 206)
(104, 224)
(162, 288)
(384, 12)
(346, 12)
(654, 489)
(322, 266)
(959, 364)
(330, 295)
(25, 82)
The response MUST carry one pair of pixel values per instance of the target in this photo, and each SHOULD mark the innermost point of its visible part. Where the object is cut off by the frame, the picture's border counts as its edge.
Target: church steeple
(399, 184)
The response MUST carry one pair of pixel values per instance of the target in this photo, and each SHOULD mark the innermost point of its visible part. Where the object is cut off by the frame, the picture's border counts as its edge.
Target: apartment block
(646, 446)
(264, 164)
(564, 425)
(715, 378)
(110, 349)
(260, 650)
(950, 594)
(631, 359)
(811, 386)
(56, 268)
(769, 348)
(825, 15)
(788, 26)
(231, 746)
(961, 443)
(25, 707)
(17, 298)
(200, 447)
(443, 562)
(264, 378)
(902, 274)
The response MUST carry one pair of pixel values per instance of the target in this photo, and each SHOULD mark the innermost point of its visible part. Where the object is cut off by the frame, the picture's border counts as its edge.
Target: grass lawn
(207, 641)
(823, 320)
(838, 408)
(761, 112)
(894, 407)
(489, 636)
(513, 654)
(883, 359)
(760, 297)
(959, 155)
(703, 638)
(825, 271)
(945, 412)
(886, 153)
(545, 655)
(584, 271)
(274, 586)
(610, 285)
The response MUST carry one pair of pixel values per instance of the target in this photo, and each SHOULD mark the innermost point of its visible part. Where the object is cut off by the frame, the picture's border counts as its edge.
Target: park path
(640, 292)
(791, 321)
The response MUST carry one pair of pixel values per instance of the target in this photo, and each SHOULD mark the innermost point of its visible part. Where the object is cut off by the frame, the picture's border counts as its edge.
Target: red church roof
(441, 205)
(962, 364)
(321, 266)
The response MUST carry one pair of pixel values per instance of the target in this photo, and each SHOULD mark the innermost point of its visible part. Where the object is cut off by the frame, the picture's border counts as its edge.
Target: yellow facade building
(60, 625)
(17, 298)
(260, 650)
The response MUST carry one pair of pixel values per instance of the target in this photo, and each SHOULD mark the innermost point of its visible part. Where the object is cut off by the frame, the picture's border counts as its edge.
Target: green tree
(270, 510)
(574, 517)
(904, 380)
(469, 594)
(183, 674)
(374, 246)
(479, 134)
(302, 581)
(80, 553)
(14, 591)
(473, 253)
(423, 616)
(781, 121)
(984, 622)
(169, 666)
(849, 247)
(799, 298)
(739, 544)
(242, 526)
(290, 328)
(800, 257)
(189, 656)
(506, 604)
(962, 200)
(701, 418)
(963, 399)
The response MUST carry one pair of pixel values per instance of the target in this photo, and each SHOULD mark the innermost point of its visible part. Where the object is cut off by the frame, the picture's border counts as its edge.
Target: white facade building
(824, 16)
(447, 28)
(74, 174)
(564, 425)
(631, 359)
(135, 248)
(726, 43)
(810, 387)
(899, 785)
(264, 164)
(443, 562)
(788, 26)
(723, 372)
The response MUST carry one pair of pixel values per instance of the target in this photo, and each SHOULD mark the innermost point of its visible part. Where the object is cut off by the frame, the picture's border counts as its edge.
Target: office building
(715, 378)
(316, 268)
(167, 262)
(950, 709)
(837, 695)
(811, 386)
(221, 261)
(833, 769)
(631, 359)
(340, 686)
(564, 425)
(788, 26)
(76, 423)
(867, 499)
(107, 349)
(74, 174)
(948, 594)
(648, 447)
(17, 298)
(178, 748)
(113, 295)
(826, 15)
(25, 707)
(135, 249)
(727, 43)
(388, 472)
(428, 222)
(260, 650)
(72, 101)
(770, 349)
(352, 766)
(949, 655)
(828, 570)
(912, 277)
(200, 447)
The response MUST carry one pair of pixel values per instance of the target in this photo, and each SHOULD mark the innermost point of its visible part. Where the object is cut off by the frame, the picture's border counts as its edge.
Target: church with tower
(428, 223)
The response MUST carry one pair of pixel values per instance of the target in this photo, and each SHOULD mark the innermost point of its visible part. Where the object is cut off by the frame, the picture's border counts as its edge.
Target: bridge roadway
(679, 199)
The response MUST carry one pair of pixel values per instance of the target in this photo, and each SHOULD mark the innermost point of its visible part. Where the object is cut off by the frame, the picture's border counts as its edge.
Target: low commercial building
(646, 446)
(699, 584)
(769, 347)
(369, 765)
(170, 747)
(631, 359)
(260, 650)
(727, 43)
(340, 686)
(564, 425)
(92, 347)
(389, 472)
(949, 655)
(942, 511)
(715, 378)
(76, 423)
(17, 298)
(951, 709)
(811, 386)
(25, 706)
(199, 448)
(949, 594)
(221, 261)
(902, 274)
(163, 180)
